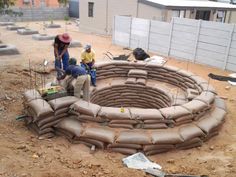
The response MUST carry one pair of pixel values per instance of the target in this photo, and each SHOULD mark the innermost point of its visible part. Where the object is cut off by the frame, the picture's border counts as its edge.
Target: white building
(97, 15)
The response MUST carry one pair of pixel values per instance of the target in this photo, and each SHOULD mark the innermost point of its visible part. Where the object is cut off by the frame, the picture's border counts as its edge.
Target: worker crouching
(75, 79)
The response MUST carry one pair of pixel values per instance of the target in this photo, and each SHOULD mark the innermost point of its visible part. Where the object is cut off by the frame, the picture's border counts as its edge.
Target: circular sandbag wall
(152, 120)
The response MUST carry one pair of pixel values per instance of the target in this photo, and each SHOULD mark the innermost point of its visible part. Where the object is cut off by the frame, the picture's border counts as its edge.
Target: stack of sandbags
(130, 142)
(60, 110)
(149, 118)
(37, 111)
(137, 76)
(178, 114)
(86, 111)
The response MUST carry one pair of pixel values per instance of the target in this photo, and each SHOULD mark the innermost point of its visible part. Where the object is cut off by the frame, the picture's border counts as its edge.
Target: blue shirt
(75, 71)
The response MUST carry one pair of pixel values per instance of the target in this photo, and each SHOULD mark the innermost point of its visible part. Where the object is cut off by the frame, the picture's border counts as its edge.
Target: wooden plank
(209, 61)
(212, 47)
(186, 21)
(184, 35)
(214, 33)
(184, 28)
(213, 40)
(179, 54)
(216, 25)
(209, 54)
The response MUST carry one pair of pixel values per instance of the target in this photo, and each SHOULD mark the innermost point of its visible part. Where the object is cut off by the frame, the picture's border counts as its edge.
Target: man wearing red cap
(61, 44)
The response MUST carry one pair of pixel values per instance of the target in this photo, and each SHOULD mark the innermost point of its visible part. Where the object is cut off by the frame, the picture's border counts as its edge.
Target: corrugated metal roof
(189, 4)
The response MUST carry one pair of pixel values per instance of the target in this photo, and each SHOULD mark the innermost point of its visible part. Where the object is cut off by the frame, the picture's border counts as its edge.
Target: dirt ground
(23, 155)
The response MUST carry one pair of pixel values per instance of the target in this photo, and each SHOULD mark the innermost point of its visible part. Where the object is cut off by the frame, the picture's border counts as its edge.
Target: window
(220, 16)
(203, 15)
(90, 9)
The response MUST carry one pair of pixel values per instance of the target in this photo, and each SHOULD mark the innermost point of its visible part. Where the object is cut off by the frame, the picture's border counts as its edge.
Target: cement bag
(196, 142)
(210, 135)
(51, 124)
(127, 126)
(195, 106)
(206, 97)
(96, 143)
(208, 87)
(155, 126)
(174, 112)
(220, 103)
(166, 137)
(119, 145)
(62, 102)
(166, 121)
(100, 134)
(87, 108)
(71, 125)
(41, 108)
(87, 118)
(114, 113)
(125, 151)
(133, 137)
(190, 131)
(182, 122)
(145, 114)
(184, 118)
(33, 127)
(31, 95)
(141, 81)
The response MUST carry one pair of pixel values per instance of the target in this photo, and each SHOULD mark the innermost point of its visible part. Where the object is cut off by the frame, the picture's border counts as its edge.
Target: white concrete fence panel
(204, 42)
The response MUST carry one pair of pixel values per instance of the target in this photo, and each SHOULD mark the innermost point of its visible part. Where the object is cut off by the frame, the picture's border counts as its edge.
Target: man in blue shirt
(76, 77)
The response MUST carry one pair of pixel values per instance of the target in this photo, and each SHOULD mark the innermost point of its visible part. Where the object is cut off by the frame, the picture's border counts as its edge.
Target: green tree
(64, 2)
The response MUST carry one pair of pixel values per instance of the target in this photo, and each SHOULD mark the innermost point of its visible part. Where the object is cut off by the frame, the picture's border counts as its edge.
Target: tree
(5, 8)
(64, 2)
(6, 4)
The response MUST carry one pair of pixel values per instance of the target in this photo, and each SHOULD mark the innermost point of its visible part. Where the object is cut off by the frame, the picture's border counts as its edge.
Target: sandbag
(61, 111)
(206, 97)
(125, 151)
(123, 122)
(120, 145)
(114, 113)
(87, 108)
(195, 106)
(47, 120)
(137, 72)
(157, 151)
(220, 103)
(96, 143)
(174, 112)
(71, 125)
(133, 137)
(62, 102)
(157, 147)
(31, 95)
(87, 118)
(128, 126)
(190, 131)
(144, 114)
(131, 81)
(155, 126)
(41, 108)
(166, 137)
(189, 142)
(141, 81)
(99, 133)
(64, 133)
